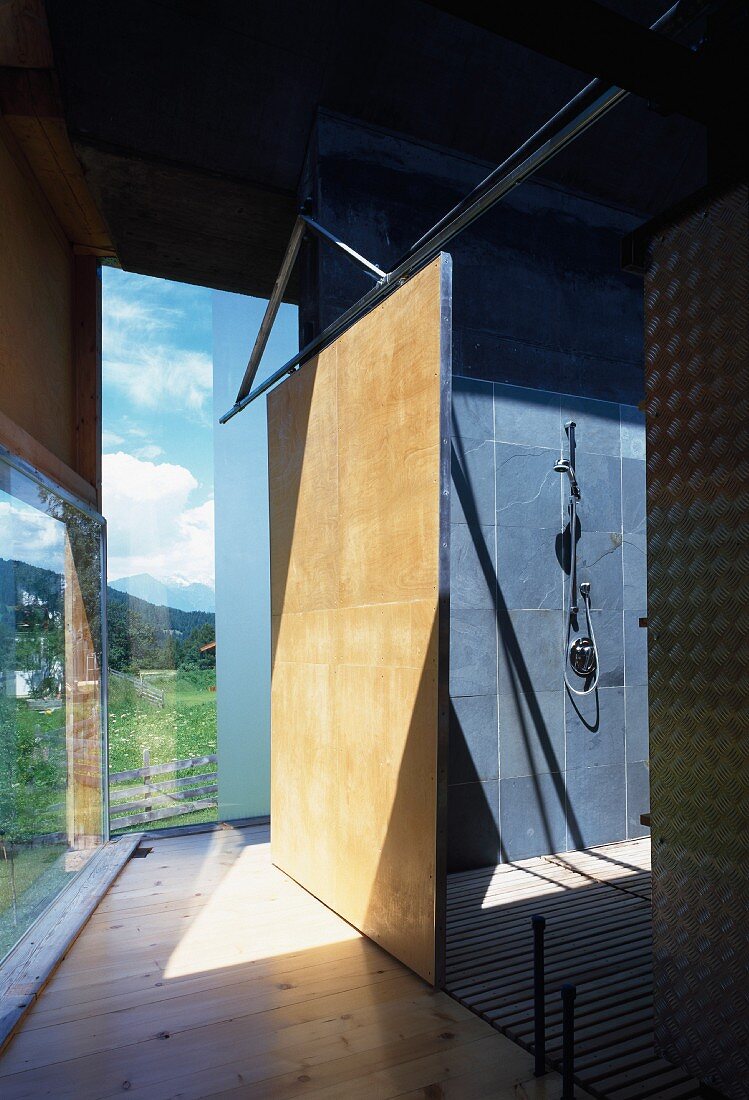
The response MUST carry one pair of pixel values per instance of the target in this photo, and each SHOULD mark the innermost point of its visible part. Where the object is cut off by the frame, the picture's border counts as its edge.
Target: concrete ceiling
(192, 120)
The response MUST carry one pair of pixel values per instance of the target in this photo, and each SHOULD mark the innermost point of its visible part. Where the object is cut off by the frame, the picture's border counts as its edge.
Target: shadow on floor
(598, 937)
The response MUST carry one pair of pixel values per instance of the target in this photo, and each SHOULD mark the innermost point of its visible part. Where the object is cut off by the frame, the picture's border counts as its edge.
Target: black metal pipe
(569, 992)
(539, 996)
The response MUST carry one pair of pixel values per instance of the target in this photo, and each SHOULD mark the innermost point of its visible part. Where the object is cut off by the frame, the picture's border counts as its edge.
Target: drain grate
(598, 936)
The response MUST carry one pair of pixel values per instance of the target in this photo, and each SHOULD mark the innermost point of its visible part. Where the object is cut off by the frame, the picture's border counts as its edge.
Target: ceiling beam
(594, 39)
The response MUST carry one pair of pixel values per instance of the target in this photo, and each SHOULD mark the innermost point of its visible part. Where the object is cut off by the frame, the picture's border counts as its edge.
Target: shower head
(563, 466)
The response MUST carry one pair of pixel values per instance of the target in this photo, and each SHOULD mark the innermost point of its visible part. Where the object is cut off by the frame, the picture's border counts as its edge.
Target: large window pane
(51, 712)
(158, 500)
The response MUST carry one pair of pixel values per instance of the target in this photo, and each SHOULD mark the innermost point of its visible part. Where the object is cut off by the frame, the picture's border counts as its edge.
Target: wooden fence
(152, 694)
(155, 791)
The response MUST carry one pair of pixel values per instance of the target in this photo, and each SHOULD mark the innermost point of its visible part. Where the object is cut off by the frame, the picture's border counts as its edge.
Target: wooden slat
(155, 798)
(163, 769)
(163, 814)
(117, 794)
(598, 936)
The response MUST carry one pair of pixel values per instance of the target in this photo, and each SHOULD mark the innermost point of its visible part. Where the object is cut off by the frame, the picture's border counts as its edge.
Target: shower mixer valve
(581, 655)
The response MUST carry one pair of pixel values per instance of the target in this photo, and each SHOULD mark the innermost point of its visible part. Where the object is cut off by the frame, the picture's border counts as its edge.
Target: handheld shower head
(563, 466)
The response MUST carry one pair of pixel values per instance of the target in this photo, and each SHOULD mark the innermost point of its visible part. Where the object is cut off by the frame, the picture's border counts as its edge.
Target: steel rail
(585, 109)
(414, 260)
(271, 310)
(371, 269)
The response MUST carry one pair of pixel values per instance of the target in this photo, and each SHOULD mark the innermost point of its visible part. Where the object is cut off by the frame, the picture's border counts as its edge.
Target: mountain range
(185, 597)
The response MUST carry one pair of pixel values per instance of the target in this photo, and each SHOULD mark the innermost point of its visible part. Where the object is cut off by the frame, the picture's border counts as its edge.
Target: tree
(131, 640)
(192, 657)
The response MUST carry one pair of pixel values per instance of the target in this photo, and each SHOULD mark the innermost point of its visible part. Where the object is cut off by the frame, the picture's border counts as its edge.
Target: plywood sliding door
(358, 466)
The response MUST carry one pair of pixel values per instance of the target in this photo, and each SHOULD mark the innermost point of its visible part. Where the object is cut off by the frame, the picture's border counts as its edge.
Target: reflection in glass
(51, 718)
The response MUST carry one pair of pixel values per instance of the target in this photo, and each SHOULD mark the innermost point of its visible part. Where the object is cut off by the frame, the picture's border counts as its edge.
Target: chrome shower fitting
(581, 655)
(562, 466)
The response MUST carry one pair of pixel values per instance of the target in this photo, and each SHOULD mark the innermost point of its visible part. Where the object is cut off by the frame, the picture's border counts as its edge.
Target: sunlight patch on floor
(227, 929)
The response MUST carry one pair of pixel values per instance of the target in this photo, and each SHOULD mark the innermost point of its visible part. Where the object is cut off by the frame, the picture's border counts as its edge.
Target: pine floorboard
(205, 971)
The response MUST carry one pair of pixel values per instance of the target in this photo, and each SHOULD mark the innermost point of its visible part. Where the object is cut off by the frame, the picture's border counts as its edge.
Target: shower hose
(572, 608)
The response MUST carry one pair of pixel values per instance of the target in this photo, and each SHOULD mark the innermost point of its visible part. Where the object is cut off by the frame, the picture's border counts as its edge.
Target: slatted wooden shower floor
(598, 936)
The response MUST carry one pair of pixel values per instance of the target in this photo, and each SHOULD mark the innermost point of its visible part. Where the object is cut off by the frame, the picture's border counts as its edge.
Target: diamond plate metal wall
(697, 386)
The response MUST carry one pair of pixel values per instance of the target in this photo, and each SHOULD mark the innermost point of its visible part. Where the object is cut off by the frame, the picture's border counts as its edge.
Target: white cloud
(31, 536)
(149, 452)
(142, 354)
(110, 439)
(153, 525)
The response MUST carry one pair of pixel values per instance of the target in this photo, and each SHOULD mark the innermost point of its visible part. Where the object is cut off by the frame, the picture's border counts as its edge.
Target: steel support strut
(585, 109)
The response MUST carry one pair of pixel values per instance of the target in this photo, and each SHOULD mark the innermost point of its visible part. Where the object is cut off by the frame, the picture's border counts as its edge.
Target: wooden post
(87, 367)
(82, 716)
(147, 806)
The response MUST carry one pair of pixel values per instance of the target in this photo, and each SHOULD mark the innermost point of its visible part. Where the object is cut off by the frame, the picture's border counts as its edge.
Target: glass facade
(157, 492)
(52, 714)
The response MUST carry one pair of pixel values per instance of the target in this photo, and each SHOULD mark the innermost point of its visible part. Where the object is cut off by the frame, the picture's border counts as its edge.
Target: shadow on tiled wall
(533, 769)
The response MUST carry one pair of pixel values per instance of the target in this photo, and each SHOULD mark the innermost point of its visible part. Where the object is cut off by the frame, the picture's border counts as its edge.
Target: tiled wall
(538, 295)
(532, 768)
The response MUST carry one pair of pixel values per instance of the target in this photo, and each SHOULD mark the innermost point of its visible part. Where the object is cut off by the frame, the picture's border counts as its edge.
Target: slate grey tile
(528, 572)
(594, 727)
(473, 653)
(599, 561)
(531, 734)
(473, 826)
(596, 805)
(599, 478)
(635, 649)
(633, 494)
(528, 489)
(635, 566)
(472, 475)
(527, 416)
(532, 818)
(472, 408)
(474, 754)
(472, 567)
(638, 798)
(632, 431)
(597, 427)
(530, 651)
(608, 629)
(636, 722)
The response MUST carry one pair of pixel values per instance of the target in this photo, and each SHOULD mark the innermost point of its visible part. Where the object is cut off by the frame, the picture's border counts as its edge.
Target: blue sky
(158, 421)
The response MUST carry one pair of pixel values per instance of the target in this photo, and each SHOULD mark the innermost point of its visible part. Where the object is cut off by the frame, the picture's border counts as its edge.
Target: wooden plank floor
(598, 936)
(207, 972)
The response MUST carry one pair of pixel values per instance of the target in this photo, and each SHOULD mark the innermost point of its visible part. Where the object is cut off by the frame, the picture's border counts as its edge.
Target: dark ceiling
(192, 119)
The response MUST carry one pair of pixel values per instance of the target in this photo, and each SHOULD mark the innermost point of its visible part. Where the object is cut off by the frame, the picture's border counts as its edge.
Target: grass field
(184, 727)
(39, 875)
(33, 761)
(33, 778)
